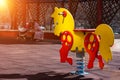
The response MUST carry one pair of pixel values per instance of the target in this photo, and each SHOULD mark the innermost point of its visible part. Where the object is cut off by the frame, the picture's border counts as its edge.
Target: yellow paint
(91, 38)
(78, 41)
(106, 41)
(64, 37)
(60, 25)
(69, 39)
(67, 25)
(89, 46)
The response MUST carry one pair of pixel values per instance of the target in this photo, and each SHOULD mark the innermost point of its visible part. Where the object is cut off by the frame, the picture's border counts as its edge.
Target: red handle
(67, 41)
(91, 45)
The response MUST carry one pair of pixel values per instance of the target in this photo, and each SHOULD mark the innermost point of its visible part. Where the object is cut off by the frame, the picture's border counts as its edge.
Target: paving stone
(40, 61)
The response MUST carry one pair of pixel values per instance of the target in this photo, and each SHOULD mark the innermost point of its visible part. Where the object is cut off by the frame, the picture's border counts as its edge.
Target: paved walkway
(116, 46)
(40, 61)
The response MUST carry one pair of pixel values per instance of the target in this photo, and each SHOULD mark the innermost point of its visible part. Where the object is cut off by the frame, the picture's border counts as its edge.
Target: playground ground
(40, 61)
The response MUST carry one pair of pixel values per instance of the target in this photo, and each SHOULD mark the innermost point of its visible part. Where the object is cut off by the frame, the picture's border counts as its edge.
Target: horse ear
(56, 8)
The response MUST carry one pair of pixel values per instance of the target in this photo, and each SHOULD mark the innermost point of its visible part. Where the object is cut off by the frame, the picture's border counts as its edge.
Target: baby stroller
(22, 34)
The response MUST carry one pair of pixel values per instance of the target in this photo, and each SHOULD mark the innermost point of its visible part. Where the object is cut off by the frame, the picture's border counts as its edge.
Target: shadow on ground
(44, 76)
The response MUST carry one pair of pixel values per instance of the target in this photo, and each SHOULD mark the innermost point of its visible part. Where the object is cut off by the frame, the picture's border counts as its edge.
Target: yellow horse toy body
(94, 40)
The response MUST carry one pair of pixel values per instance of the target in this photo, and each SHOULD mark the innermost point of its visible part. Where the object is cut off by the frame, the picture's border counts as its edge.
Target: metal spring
(80, 66)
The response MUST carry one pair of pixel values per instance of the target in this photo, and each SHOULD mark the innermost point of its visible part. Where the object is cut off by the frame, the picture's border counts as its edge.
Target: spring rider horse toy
(95, 42)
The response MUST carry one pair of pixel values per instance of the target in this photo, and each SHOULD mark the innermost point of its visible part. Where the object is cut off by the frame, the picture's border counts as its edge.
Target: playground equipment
(95, 42)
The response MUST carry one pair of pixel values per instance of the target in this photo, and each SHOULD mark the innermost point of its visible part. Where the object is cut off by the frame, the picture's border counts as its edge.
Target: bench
(4, 33)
